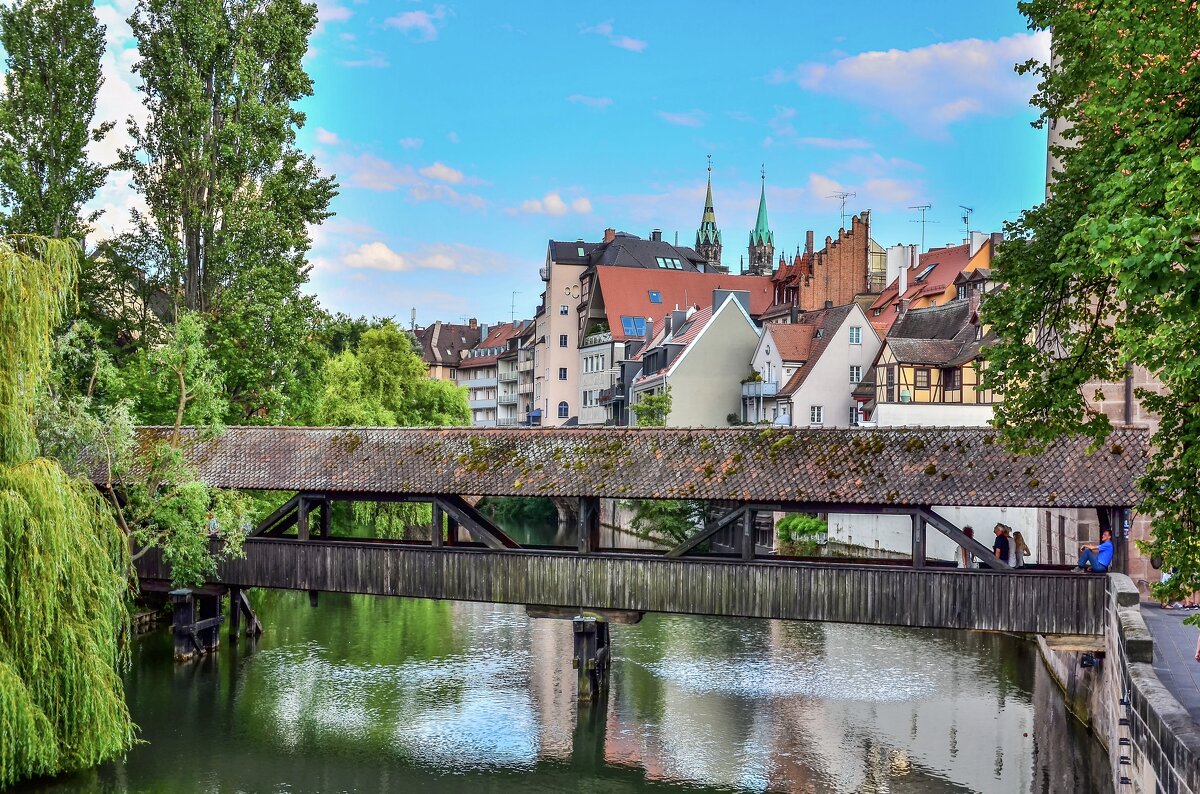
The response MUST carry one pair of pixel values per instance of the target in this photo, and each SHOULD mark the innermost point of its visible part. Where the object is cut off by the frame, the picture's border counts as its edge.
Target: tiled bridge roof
(900, 466)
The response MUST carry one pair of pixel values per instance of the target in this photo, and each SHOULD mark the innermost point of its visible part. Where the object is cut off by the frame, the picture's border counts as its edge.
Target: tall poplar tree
(54, 49)
(1105, 275)
(230, 197)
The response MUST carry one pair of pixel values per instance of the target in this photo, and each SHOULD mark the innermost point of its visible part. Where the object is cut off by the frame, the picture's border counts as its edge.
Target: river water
(377, 694)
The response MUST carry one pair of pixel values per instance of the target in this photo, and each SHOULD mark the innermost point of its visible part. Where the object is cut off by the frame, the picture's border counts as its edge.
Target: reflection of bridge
(902, 471)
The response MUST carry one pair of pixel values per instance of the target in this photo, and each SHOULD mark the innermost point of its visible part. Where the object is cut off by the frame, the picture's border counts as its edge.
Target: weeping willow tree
(64, 564)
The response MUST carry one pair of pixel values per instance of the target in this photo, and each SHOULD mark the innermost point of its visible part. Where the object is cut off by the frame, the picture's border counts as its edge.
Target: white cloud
(326, 137)
(410, 143)
(369, 60)
(606, 30)
(875, 193)
(443, 257)
(553, 204)
(376, 256)
(427, 191)
(420, 25)
(598, 102)
(442, 173)
(331, 11)
(690, 118)
(836, 143)
(452, 136)
(929, 88)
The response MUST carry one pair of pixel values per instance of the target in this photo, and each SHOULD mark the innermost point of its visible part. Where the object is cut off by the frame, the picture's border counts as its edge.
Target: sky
(464, 136)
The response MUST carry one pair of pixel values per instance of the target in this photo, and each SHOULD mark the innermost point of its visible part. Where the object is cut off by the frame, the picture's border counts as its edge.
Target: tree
(229, 197)
(652, 410)
(54, 49)
(1101, 278)
(64, 566)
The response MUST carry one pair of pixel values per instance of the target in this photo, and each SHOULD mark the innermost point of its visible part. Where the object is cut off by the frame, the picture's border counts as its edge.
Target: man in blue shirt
(1098, 558)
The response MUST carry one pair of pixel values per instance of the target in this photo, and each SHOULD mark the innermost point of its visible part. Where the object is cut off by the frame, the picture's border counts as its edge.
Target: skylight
(926, 272)
(633, 326)
(655, 296)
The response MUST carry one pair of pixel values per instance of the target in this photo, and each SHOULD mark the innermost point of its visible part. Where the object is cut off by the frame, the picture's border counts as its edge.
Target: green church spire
(762, 231)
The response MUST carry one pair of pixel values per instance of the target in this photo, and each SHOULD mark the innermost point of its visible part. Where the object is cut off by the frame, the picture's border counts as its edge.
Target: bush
(801, 535)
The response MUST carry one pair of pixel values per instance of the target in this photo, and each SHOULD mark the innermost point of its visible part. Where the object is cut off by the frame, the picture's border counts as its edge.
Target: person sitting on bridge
(1000, 547)
(1096, 557)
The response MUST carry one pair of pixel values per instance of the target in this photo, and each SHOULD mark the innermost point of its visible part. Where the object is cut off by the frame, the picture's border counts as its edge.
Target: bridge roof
(897, 466)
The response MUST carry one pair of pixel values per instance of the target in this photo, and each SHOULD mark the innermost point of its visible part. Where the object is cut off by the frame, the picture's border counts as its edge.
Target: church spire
(762, 241)
(708, 236)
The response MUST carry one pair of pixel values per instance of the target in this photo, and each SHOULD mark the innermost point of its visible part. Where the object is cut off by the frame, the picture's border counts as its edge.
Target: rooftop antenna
(966, 219)
(922, 208)
(843, 195)
(513, 317)
(413, 319)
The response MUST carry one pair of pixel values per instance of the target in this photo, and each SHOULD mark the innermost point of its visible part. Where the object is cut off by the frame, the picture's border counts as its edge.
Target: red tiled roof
(498, 336)
(828, 321)
(793, 341)
(626, 292)
(948, 263)
(894, 466)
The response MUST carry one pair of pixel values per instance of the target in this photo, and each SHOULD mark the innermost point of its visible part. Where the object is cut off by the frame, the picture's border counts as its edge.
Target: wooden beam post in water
(918, 541)
(181, 624)
(591, 656)
(589, 524)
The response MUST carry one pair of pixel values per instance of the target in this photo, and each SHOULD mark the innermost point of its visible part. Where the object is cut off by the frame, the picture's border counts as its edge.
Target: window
(564, 410)
(562, 373)
(633, 326)
(962, 292)
(655, 296)
(564, 309)
(924, 273)
(922, 378)
(768, 350)
(669, 262)
(855, 373)
(820, 334)
(950, 377)
(562, 340)
(854, 416)
(877, 312)
(816, 415)
(856, 334)
(579, 249)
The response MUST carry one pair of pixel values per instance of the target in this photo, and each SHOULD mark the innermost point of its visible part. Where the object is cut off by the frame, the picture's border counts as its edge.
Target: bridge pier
(591, 656)
(196, 622)
(239, 606)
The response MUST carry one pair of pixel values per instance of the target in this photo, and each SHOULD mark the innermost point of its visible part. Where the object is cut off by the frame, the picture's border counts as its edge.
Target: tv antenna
(842, 195)
(966, 218)
(513, 307)
(922, 208)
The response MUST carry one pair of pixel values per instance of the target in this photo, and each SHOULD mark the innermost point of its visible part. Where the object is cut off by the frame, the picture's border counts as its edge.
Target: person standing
(964, 556)
(1000, 547)
(1096, 557)
(1020, 551)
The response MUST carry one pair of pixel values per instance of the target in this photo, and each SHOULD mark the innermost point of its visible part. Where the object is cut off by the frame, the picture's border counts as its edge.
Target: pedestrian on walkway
(1096, 557)
(964, 556)
(1001, 548)
(1020, 550)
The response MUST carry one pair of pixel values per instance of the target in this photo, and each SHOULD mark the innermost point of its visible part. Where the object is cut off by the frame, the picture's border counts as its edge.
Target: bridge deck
(1041, 602)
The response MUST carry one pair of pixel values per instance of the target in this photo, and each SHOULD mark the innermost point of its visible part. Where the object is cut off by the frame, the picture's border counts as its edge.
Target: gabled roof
(626, 293)
(497, 337)
(942, 336)
(822, 325)
(943, 266)
(934, 352)
(626, 250)
(443, 343)
(793, 341)
(687, 334)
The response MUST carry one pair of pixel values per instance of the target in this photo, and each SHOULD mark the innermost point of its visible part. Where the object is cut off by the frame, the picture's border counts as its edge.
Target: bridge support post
(302, 508)
(435, 528)
(209, 625)
(591, 656)
(181, 623)
(195, 636)
(747, 534)
(589, 524)
(918, 541)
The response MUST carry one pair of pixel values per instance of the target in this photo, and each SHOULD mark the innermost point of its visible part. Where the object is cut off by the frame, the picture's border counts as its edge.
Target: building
(443, 346)
(479, 372)
(514, 379)
(708, 236)
(761, 251)
(698, 353)
(804, 373)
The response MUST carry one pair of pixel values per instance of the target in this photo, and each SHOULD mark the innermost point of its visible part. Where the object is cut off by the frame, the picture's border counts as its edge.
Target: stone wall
(1152, 742)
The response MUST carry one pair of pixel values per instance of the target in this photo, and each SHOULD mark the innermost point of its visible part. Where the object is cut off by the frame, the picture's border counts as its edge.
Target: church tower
(708, 236)
(762, 241)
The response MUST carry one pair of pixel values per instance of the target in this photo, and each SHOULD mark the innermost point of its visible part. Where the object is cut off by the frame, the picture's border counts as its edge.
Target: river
(376, 694)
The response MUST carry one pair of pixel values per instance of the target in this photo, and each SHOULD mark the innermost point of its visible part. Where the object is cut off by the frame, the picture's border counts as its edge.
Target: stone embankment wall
(1153, 743)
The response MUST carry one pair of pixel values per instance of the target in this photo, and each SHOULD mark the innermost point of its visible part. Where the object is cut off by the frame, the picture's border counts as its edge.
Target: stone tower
(708, 236)
(762, 241)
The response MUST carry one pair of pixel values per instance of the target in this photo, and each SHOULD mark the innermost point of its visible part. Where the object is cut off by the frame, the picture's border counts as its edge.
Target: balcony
(507, 377)
(509, 421)
(478, 383)
(525, 387)
(611, 395)
(507, 399)
(480, 404)
(760, 388)
(544, 272)
(598, 339)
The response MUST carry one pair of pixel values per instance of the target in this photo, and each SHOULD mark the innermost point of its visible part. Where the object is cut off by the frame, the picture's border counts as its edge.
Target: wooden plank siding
(1043, 603)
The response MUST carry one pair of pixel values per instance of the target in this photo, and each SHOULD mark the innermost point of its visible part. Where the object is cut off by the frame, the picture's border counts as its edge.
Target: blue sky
(465, 135)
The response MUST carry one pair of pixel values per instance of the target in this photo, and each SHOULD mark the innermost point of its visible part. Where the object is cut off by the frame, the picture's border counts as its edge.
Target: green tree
(1102, 277)
(229, 197)
(64, 565)
(53, 55)
(652, 410)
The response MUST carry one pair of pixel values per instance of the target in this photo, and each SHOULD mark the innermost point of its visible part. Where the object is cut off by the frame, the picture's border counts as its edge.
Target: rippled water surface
(376, 694)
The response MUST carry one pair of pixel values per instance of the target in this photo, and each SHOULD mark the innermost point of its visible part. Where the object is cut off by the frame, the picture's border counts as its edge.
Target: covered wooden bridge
(895, 471)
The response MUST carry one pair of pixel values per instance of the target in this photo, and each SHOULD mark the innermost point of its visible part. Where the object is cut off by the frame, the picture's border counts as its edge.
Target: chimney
(610, 235)
(678, 318)
(974, 304)
(901, 308)
(795, 317)
(808, 242)
(656, 235)
(472, 323)
(902, 287)
(649, 330)
(828, 304)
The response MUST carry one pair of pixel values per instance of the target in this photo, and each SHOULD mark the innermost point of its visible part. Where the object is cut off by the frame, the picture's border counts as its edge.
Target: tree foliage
(64, 565)
(53, 56)
(229, 197)
(652, 410)
(1105, 275)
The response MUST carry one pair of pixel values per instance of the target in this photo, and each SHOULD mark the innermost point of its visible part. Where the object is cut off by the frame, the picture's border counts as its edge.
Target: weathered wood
(710, 529)
(876, 594)
(955, 534)
(589, 525)
(476, 523)
(747, 536)
(302, 507)
(285, 510)
(918, 541)
(623, 618)
(436, 527)
(235, 614)
(182, 617)
(591, 656)
(326, 517)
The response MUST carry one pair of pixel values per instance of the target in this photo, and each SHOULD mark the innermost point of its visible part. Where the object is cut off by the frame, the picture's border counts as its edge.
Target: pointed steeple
(708, 236)
(762, 241)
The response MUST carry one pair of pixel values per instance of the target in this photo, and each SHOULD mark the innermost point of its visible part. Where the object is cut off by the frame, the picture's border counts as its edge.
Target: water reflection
(368, 694)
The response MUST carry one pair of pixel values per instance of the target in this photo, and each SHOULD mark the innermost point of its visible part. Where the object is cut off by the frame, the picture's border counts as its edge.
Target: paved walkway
(1175, 653)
